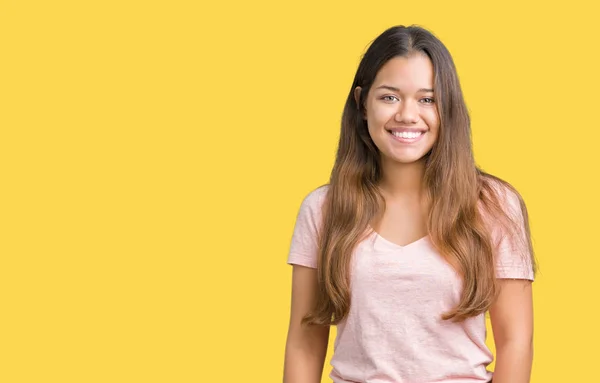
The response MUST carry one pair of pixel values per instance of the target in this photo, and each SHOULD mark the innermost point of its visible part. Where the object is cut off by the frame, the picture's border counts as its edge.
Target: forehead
(406, 73)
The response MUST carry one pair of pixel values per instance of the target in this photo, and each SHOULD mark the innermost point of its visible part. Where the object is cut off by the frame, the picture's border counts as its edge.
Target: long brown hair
(461, 194)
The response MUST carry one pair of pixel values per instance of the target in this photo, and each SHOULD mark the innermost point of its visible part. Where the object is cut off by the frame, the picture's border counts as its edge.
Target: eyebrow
(388, 87)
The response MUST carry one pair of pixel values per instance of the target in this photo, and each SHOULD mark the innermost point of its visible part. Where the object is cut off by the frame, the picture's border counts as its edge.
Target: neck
(403, 180)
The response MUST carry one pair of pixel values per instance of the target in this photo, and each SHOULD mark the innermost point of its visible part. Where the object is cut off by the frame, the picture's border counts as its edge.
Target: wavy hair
(464, 199)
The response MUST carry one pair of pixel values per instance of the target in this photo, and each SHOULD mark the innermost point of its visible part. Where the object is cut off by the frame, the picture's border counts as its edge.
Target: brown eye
(428, 100)
(387, 98)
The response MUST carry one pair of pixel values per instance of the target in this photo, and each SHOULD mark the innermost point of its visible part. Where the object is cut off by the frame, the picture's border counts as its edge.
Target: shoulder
(310, 213)
(501, 206)
(304, 244)
(501, 193)
(505, 214)
(313, 201)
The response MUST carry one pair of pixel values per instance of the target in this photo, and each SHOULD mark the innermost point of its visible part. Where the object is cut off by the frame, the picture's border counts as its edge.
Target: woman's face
(401, 113)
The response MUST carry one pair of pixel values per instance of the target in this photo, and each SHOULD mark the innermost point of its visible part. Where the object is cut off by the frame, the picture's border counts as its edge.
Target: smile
(407, 137)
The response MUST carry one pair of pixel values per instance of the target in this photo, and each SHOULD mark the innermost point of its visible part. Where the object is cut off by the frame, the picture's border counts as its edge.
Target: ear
(357, 92)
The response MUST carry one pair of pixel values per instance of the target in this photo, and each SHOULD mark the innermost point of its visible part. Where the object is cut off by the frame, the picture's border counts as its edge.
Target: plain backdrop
(154, 154)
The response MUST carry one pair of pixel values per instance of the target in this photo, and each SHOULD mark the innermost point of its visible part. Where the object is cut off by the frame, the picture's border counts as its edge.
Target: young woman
(410, 243)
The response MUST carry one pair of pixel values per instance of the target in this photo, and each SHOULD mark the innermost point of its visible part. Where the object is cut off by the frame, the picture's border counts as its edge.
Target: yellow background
(154, 155)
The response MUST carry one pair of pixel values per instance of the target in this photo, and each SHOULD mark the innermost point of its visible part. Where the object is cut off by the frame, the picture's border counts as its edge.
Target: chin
(407, 159)
(412, 161)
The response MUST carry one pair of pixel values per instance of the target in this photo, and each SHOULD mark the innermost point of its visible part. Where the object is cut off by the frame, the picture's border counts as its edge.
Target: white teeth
(407, 134)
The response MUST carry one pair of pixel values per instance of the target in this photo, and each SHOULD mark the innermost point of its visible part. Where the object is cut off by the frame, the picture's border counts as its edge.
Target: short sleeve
(513, 255)
(304, 244)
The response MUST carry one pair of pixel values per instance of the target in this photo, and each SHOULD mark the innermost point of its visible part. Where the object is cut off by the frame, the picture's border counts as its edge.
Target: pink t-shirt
(393, 332)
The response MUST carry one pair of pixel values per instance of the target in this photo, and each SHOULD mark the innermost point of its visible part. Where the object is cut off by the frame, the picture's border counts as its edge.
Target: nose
(408, 112)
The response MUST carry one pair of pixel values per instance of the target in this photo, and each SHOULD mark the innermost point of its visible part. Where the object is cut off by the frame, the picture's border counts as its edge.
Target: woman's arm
(306, 346)
(512, 324)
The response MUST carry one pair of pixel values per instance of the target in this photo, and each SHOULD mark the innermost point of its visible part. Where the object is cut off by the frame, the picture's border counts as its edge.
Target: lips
(407, 136)
(407, 130)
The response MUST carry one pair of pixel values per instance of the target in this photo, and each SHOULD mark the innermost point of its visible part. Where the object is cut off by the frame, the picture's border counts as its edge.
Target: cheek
(383, 114)
(432, 120)
(380, 115)
(377, 118)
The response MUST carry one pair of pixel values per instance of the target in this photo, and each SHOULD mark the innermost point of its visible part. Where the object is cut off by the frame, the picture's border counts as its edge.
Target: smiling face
(401, 112)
